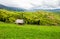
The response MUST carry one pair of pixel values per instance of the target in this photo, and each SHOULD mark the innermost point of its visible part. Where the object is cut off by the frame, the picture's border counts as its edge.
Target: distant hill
(11, 8)
(45, 9)
(32, 9)
(50, 10)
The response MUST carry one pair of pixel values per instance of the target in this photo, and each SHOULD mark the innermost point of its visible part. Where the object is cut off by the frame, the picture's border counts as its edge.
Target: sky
(28, 4)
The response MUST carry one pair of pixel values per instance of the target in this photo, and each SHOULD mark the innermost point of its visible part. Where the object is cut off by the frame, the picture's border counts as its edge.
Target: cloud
(27, 4)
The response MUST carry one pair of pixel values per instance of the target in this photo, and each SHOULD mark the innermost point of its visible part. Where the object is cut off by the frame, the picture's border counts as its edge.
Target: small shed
(19, 21)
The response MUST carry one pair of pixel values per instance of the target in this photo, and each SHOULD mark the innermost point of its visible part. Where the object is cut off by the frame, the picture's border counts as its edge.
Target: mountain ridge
(11, 8)
(32, 9)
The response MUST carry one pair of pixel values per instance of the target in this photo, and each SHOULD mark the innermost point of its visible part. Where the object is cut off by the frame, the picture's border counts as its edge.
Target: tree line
(37, 17)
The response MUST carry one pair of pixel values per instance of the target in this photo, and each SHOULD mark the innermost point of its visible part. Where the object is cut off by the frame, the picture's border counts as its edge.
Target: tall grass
(13, 31)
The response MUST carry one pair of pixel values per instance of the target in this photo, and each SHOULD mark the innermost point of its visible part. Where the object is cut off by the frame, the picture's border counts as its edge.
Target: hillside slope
(38, 17)
(11, 8)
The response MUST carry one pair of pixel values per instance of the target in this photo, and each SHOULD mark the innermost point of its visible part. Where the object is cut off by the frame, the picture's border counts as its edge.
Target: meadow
(14, 31)
(37, 25)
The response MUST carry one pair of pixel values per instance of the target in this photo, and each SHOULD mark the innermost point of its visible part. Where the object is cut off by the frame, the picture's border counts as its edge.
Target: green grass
(13, 31)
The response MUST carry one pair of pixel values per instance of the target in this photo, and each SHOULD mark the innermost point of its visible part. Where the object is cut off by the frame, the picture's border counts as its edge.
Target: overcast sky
(27, 4)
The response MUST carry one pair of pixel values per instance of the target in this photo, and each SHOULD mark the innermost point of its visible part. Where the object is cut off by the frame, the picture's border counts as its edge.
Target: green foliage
(8, 16)
(38, 17)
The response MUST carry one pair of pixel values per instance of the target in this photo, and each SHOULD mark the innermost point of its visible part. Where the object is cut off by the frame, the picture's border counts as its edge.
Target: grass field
(13, 31)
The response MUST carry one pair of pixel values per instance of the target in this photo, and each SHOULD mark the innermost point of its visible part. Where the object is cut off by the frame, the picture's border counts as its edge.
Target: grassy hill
(38, 17)
(38, 25)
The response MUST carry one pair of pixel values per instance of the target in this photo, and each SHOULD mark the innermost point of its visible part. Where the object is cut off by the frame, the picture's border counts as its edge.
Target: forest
(34, 18)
